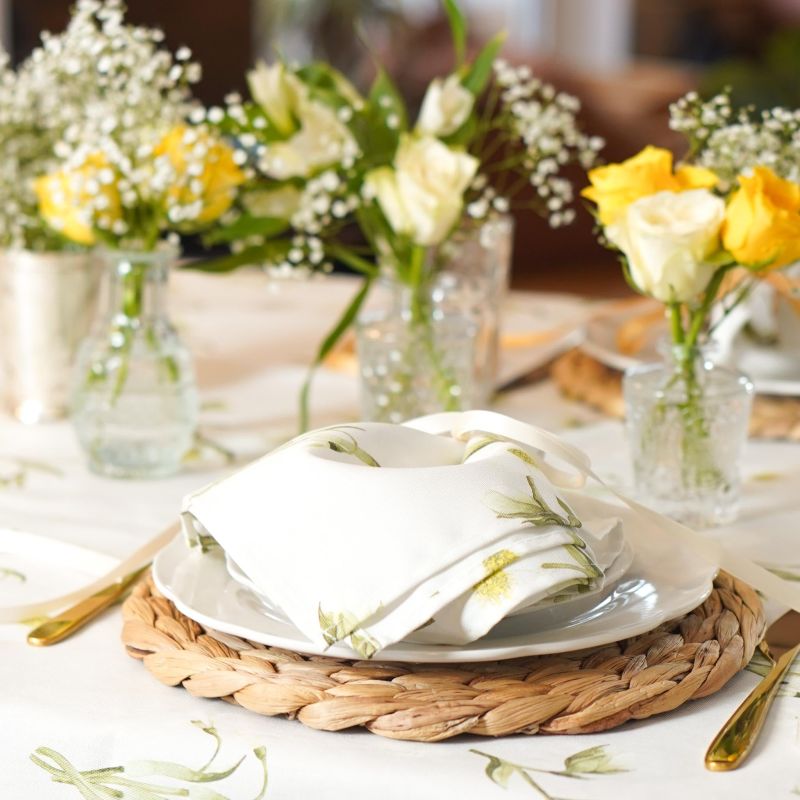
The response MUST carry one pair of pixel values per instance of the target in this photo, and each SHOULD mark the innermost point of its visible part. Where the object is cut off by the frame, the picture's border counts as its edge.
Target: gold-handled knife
(738, 735)
(66, 623)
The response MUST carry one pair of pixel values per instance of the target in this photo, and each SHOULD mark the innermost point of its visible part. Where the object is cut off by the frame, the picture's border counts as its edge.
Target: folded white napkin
(365, 533)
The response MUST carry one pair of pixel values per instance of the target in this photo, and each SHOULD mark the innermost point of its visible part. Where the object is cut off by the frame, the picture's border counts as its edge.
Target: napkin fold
(367, 534)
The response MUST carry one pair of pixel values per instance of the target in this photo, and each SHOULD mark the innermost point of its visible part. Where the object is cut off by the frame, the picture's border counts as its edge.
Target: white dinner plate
(600, 342)
(662, 583)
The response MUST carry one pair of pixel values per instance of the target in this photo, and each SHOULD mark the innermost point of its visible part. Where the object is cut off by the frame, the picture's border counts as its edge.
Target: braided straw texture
(583, 692)
(583, 378)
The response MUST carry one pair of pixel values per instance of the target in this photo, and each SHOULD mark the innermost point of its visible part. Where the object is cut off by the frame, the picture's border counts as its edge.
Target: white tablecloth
(97, 708)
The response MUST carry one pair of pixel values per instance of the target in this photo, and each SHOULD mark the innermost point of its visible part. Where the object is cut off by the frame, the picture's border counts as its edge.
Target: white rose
(423, 196)
(668, 239)
(446, 106)
(278, 92)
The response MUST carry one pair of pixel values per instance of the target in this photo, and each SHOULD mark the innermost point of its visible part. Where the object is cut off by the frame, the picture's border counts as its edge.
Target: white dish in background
(600, 342)
(36, 569)
(662, 583)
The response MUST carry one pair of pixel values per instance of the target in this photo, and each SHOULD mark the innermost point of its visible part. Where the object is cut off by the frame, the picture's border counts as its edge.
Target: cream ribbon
(462, 425)
(22, 612)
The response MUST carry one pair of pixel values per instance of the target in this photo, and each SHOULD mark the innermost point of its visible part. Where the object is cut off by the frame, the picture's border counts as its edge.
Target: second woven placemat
(583, 378)
(583, 692)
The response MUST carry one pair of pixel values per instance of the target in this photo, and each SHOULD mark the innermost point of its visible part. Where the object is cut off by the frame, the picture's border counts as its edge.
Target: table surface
(95, 708)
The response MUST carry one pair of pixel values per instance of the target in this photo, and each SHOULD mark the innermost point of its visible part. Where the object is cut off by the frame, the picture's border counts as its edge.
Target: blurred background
(625, 59)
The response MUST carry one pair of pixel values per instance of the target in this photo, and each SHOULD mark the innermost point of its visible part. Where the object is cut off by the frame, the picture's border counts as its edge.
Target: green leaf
(376, 137)
(481, 70)
(250, 256)
(345, 321)
(248, 225)
(458, 28)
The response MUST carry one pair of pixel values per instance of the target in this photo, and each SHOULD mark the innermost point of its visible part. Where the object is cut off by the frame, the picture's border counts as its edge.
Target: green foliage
(248, 225)
(258, 254)
(458, 28)
(344, 322)
(480, 71)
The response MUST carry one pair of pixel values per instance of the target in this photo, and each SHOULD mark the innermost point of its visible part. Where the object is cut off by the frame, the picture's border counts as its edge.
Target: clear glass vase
(134, 400)
(687, 423)
(470, 275)
(411, 367)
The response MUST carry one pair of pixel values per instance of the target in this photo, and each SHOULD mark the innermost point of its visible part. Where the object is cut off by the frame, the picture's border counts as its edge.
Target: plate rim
(411, 652)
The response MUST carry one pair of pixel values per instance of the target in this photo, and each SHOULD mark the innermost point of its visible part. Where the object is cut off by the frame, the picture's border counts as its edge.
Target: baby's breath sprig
(731, 142)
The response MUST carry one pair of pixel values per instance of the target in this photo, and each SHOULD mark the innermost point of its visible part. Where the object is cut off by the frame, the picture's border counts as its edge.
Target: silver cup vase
(47, 303)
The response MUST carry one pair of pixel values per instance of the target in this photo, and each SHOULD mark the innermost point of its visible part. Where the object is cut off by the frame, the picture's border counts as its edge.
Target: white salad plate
(600, 342)
(662, 582)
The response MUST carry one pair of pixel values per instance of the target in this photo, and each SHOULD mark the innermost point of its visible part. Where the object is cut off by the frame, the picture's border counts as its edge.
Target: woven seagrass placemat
(583, 692)
(581, 377)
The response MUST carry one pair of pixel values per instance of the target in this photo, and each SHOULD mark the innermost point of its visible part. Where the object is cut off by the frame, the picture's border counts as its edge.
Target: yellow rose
(615, 186)
(762, 221)
(76, 201)
(207, 173)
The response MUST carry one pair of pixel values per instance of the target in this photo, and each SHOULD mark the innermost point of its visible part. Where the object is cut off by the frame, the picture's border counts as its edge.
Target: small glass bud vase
(134, 400)
(687, 423)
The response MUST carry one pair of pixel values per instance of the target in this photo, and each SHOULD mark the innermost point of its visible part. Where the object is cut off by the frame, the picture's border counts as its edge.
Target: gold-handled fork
(735, 740)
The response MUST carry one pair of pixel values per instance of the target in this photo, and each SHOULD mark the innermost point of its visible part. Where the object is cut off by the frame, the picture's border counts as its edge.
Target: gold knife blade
(67, 622)
(738, 735)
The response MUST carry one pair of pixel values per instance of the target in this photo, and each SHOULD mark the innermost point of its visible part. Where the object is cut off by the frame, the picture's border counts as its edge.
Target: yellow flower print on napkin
(76, 201)
(615, 186)
(762, 221)
(207, 173)
(496, 585)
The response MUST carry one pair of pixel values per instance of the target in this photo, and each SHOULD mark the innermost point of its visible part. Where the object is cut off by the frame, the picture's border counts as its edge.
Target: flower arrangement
(321, 159)
(695, 237)
(130, 168)
(680, 231)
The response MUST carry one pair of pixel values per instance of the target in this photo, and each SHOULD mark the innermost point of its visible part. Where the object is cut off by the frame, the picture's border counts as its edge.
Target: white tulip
(321, 140)
(446, 106)
(669, 240)
(278, 92)
(423, 196)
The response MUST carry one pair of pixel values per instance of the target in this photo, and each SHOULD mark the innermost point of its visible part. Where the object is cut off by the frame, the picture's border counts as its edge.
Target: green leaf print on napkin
(536, 511)
(593, 761)
(120, 781)
(341, 441)
(336, 626)
(787, 573)
(7, 572)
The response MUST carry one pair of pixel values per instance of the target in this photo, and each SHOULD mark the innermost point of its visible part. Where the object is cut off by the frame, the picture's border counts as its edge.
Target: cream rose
(423, 196)
(669, 239)
(446, 106)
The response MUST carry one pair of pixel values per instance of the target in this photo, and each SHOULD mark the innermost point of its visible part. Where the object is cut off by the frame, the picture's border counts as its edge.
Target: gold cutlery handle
(69, 621)
(738, 735)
